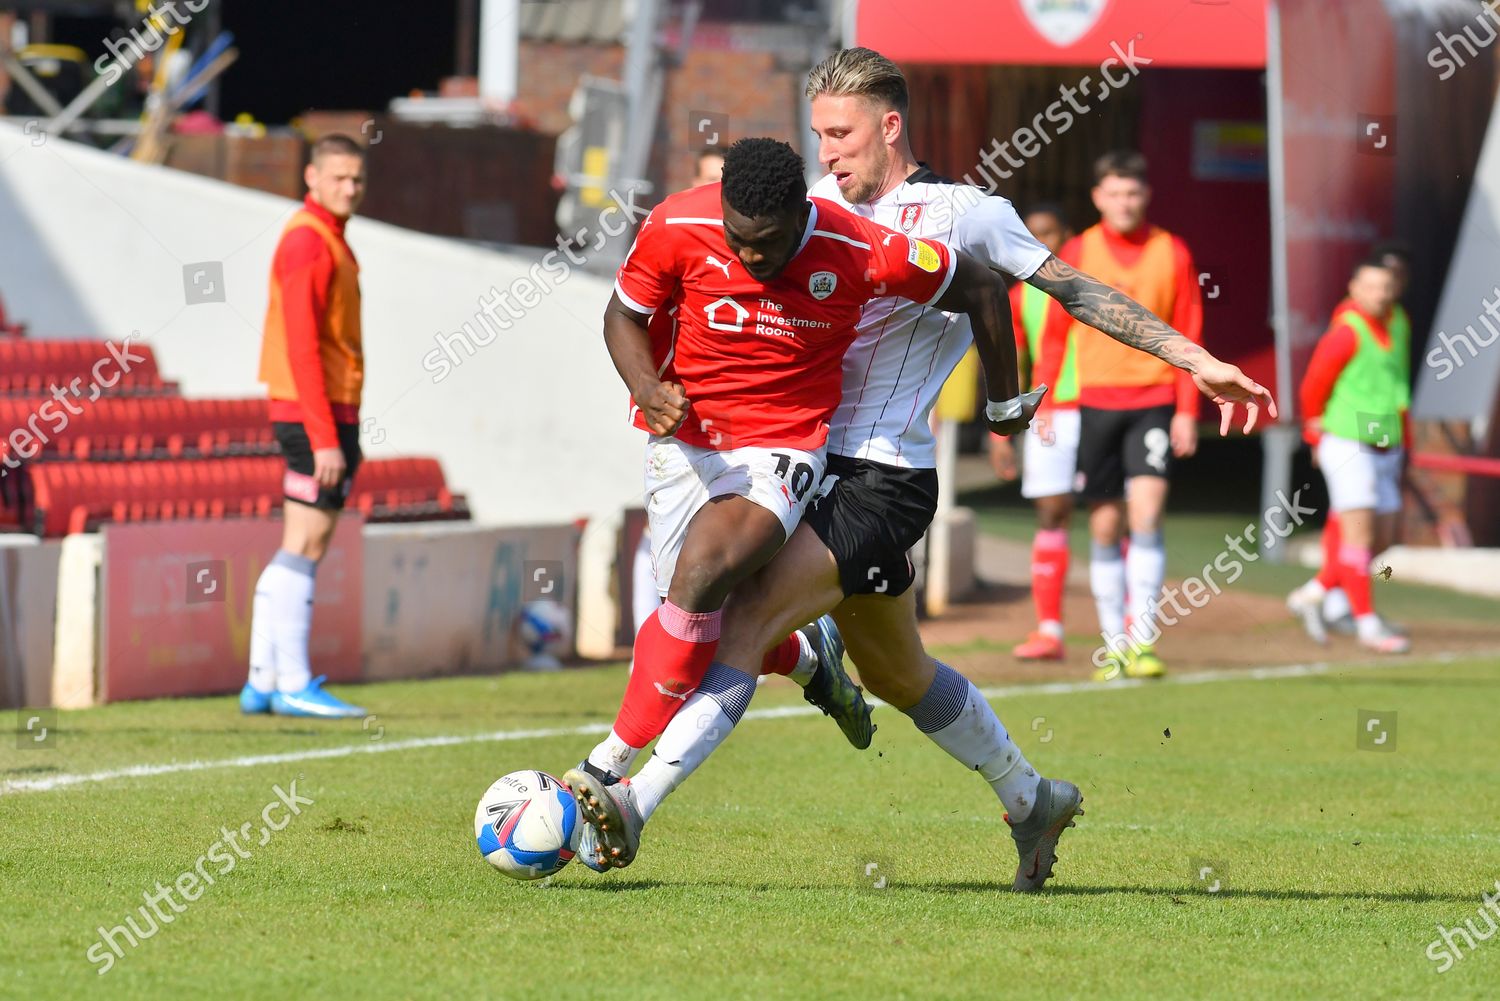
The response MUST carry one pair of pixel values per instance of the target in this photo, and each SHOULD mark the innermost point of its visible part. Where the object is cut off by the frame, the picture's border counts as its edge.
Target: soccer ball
(543, 629)
(527, 825)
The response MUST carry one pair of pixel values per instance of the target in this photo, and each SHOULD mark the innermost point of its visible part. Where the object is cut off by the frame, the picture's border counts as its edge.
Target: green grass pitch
(791, 865)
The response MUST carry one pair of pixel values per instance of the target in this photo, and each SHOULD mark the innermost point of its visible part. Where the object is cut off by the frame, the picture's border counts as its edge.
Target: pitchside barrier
(149, 610)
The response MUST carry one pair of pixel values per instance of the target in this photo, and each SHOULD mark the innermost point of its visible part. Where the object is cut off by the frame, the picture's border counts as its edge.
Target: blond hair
(864, 72)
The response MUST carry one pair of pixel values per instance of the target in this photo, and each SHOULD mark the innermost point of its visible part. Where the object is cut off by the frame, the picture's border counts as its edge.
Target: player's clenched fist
(664, 405)
(1014, 415)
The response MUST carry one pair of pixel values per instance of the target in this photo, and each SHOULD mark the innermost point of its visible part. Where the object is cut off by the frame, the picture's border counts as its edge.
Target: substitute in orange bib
(1048, 464)
(1355, 396)
(1137, 414)
(312, 363)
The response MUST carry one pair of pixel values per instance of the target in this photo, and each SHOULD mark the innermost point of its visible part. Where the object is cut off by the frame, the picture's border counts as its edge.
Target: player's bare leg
(887, 649)
(728, 539)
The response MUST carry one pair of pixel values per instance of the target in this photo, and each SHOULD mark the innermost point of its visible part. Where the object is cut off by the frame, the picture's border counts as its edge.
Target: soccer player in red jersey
(849, 555)
(769, 286)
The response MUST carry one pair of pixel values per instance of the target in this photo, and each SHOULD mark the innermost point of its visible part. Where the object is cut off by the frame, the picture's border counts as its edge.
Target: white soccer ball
(543, 629)
(526, 825)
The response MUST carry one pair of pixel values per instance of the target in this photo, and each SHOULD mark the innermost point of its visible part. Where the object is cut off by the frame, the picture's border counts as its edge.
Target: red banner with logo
(177, 598)
(1161, 33)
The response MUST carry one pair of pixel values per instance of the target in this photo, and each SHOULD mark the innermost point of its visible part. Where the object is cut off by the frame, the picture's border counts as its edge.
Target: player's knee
(1053, 513)
(702, 584)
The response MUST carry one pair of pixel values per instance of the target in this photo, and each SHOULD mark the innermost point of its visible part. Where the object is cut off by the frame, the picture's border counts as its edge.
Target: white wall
(531, 427)
(1458, 373)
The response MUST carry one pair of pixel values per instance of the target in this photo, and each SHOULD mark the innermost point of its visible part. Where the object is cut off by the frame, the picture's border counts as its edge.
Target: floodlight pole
(1278, 442)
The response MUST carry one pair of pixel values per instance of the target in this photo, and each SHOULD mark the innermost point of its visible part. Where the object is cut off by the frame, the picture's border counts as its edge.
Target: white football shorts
(1047, 467)
(1360, 477)
(681, 478)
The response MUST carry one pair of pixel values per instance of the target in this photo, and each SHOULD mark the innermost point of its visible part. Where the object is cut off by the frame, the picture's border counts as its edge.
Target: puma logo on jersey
(711, 259)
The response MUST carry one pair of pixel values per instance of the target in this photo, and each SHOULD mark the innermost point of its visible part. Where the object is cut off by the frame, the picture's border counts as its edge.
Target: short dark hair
(1047, 208)
(763, 177)
(336, 144)
(1127, 163)
(1392, 248)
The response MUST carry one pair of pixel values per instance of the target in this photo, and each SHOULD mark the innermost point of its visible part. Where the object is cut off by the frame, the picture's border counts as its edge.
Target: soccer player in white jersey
(848, 555)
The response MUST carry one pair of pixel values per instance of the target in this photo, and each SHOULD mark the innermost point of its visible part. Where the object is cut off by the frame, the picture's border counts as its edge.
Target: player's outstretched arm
(1112, 312)
(981, 293)
(664, 404)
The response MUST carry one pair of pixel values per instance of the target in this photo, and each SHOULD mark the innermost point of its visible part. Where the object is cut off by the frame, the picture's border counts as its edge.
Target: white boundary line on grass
(51, 782)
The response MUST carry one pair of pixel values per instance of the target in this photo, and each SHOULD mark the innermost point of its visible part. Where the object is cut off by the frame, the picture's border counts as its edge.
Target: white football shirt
(903, 352)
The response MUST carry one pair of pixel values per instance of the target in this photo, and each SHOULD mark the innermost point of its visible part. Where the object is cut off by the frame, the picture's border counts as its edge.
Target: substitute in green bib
(1354, 400)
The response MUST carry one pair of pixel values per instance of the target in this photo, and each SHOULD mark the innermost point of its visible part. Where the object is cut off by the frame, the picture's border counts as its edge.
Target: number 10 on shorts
(798, 478)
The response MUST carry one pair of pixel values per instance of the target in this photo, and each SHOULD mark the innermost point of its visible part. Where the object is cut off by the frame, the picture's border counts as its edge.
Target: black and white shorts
(298, 484)
(869, 514)
(1114, 445)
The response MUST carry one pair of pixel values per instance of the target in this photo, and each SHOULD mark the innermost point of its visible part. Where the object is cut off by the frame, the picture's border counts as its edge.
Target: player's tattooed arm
(629, 342)
(1112, 312)
(981, 293)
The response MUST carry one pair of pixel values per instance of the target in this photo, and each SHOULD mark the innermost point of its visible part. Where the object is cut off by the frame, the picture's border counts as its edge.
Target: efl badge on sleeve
(923, 256)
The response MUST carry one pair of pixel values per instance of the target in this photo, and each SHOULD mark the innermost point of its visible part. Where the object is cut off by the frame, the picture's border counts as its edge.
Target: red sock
(672, 652)
(1354, 577)
(1329, 576)
(783, 657)
(1049, 573)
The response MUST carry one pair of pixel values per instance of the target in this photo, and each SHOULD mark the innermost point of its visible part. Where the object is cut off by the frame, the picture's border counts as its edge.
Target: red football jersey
(760, 362)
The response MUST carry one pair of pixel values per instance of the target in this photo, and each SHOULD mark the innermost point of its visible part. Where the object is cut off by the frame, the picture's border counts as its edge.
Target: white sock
(961, 722)
(1367, 626)
(262, 636)
(1050, 627)
(1145, 573)
(1107, 581)
(289, 588)
(1312, 591)
(614, 754)
(702, 724)
(1336, 604)
(807, 661)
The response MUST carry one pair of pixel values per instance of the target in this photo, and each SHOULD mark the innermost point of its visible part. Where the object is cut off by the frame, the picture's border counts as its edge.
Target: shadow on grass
(623, 886)
(1179, 893)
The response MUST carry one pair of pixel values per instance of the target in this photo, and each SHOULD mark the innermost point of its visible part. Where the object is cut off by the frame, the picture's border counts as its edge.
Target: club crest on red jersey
(907, 216)
(822, 284)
